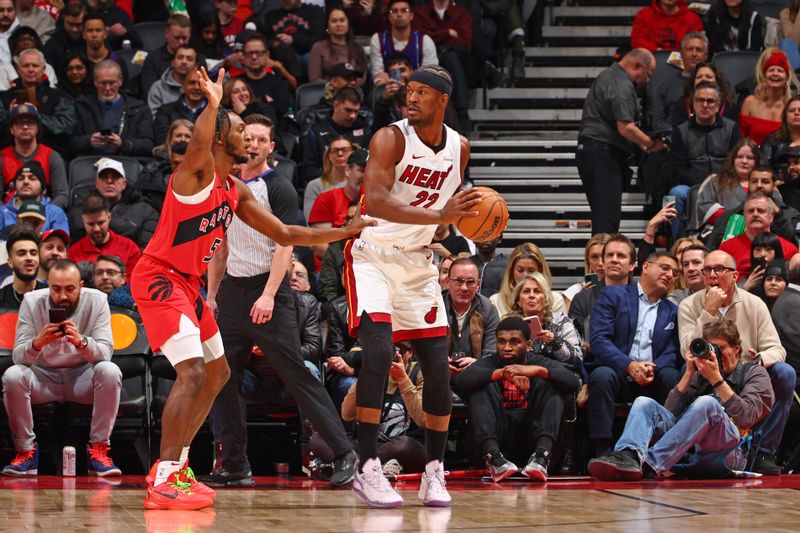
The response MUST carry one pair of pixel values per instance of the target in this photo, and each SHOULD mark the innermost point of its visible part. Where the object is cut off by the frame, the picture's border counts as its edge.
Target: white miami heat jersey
(424, 179)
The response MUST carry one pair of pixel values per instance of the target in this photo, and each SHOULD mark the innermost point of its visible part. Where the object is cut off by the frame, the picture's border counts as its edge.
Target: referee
(256, 306)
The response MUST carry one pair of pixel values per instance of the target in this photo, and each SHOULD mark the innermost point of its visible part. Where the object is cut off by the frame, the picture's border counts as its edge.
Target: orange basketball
(491, 220)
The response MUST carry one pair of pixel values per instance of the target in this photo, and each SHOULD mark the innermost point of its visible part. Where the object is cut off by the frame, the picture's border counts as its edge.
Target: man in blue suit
(634, 341)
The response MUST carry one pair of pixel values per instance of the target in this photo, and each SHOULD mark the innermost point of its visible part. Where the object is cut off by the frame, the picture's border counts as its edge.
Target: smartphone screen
(57, 315)
(591, 278)
(668, 199)
(534, 323)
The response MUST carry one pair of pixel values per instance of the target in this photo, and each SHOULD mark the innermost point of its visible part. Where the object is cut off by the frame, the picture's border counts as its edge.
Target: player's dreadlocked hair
(222, 124)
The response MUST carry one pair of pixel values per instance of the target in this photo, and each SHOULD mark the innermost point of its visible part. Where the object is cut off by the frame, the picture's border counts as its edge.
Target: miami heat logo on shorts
(430, 316)
(160, 289)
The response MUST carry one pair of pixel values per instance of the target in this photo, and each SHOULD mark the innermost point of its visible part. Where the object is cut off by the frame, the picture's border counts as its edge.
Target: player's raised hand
(212, 89)
(462, 204)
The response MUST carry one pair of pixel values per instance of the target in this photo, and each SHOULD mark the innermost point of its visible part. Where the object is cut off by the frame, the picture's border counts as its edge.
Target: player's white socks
(184, 456)
(165, 469)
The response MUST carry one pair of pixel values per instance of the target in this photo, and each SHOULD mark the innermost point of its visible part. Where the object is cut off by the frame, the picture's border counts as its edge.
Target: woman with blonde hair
(526, 258)
(334, 170)
(775, 83)
(557, 337)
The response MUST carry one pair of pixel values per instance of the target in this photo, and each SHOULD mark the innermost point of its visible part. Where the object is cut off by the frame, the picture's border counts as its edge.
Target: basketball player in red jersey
(199, 206)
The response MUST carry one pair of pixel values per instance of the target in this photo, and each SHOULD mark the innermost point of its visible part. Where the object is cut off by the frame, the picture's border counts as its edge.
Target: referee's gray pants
(279, 339)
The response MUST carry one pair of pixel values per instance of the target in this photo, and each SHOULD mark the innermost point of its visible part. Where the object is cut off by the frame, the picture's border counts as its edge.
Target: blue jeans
(704, 429)
(783, 378)
(681, 194)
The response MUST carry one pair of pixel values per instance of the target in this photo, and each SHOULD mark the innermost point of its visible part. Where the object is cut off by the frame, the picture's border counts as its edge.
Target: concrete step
(525, 115)
(570, 72)
(526, 144)
(530, 199)
(579, 32)
(557, 93)
(570, 51)
(595, 11)
(523, 173)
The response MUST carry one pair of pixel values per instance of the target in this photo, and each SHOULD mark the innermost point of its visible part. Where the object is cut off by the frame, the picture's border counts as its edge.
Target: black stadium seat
(152, 34)
(736, 66)
(309, 94)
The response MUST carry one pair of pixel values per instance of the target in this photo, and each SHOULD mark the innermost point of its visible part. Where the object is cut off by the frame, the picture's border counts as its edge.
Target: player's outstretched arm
(255, 216)
(197, 169)
(386, 150)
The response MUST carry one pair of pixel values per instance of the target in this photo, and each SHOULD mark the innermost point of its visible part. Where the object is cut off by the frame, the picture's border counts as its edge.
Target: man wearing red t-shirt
(758, 215)
(330, 207)
(99, 239)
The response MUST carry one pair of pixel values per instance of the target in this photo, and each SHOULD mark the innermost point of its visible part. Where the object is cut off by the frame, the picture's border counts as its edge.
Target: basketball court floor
(294, 504)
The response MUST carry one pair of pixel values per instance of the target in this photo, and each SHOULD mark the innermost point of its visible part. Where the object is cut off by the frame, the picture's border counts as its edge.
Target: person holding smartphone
(62, 353)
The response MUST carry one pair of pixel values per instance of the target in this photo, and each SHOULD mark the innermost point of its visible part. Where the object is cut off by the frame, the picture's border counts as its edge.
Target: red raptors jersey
(188, 234)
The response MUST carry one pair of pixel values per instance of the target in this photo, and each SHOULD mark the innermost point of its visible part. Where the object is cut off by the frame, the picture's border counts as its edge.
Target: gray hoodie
(165, 91)
(92, 318)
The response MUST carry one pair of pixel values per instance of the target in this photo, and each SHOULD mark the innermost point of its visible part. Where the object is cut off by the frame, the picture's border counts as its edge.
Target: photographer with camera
(62, 353)
(721, 300)
(718, 400)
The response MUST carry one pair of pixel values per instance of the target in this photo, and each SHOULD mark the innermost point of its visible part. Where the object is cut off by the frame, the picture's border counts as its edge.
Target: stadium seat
(152, 34)
(663, 71)
(736, 66)
(134, 71)
(286, 168)
(309, 94)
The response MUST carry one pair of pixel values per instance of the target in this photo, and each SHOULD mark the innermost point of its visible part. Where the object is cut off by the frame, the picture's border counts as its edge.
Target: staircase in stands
(525, 136)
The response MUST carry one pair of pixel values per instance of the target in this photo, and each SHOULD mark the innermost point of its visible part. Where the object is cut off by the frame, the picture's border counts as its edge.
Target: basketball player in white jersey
(413, 174)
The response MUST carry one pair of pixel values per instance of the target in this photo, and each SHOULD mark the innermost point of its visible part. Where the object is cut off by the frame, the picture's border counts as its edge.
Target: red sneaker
(187, 476)
(175, 494)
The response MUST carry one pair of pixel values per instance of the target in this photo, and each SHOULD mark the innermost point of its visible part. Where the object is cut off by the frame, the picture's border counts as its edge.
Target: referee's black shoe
(344, 468)
(223, 478)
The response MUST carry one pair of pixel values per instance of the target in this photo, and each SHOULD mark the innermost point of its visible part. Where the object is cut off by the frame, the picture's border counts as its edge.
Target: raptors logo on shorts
(160, 289)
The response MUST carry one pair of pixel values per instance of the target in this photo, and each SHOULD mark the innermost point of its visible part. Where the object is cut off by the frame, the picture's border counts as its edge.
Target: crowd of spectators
(532, 363)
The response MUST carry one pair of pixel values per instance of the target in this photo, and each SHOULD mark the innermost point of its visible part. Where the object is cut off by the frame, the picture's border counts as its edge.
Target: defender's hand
(357, 223)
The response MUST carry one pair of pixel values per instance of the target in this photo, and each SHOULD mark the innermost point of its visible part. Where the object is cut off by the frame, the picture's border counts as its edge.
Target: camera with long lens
(702, 349)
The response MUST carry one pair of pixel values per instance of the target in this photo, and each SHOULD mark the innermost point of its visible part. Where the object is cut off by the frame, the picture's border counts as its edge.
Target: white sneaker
(373, 488)
(432, 489)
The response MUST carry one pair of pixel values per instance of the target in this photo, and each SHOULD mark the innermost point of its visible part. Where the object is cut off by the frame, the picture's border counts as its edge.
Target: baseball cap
(24, 111)
(60, 233)
(32, 208)
(106, 163)
(344, 70)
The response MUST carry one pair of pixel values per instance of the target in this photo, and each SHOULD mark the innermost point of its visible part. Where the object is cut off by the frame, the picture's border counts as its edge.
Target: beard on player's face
(239, 156)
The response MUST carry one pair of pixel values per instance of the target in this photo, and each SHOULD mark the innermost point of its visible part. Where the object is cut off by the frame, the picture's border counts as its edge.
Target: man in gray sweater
(714, 405)
(62, 353)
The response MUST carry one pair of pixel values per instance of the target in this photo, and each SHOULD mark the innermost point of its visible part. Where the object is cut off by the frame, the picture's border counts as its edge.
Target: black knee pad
(437, 399)
(378, 352)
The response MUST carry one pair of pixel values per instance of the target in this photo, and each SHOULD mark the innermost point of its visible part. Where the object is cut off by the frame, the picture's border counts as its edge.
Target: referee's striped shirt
(249, 251)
